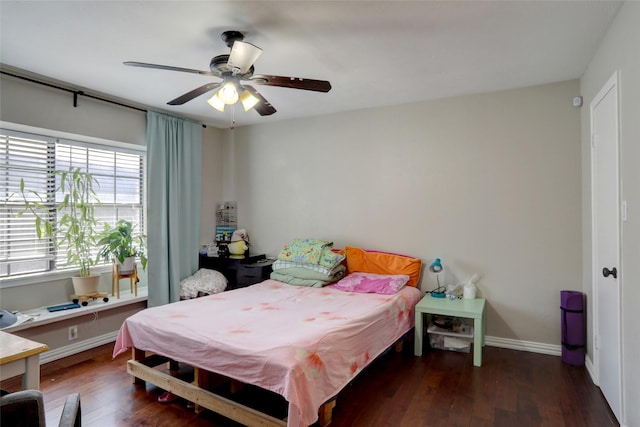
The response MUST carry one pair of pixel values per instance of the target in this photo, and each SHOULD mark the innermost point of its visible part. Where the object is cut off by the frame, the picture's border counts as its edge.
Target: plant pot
(128, 266)
(86, 285)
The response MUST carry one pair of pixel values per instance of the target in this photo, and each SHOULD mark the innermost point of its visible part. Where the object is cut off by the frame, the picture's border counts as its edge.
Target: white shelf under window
(41, 316)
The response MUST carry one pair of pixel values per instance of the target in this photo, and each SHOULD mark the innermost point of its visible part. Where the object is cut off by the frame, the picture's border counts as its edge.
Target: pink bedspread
(303, 343)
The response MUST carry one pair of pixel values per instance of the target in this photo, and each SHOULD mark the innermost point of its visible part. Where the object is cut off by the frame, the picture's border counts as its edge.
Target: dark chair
(26, 409)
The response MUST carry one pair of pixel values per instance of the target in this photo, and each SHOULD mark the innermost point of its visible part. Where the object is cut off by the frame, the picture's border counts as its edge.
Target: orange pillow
(361, 261)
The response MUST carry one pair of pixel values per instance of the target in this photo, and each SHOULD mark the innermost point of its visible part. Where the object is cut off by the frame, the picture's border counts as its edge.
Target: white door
(606, 243)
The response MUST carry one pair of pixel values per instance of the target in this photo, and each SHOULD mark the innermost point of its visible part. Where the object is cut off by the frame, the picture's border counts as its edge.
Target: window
(118, 170)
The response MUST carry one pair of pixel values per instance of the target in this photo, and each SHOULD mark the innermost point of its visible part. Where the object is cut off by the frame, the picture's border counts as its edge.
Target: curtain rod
(75, 93)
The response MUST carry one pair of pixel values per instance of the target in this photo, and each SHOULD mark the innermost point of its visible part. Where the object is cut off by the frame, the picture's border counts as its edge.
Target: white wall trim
(534, 347)
(78, 347)
(588, 363)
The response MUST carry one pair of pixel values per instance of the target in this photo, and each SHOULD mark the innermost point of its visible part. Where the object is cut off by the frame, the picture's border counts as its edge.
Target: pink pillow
(386, 284)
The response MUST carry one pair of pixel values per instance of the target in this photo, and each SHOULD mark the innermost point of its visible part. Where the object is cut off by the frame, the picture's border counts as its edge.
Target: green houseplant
(119, 243)
(72, 226)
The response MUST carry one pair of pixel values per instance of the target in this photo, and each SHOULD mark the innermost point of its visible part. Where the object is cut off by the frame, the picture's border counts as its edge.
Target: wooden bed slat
(221, 405)
(326, 412)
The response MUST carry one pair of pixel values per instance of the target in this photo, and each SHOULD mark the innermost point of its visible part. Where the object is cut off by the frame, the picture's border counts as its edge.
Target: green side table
(469, 308)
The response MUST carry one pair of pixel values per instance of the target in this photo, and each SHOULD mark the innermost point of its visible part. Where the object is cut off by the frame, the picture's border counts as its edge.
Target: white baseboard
(534, 347)
(588, 363)
(71, 349)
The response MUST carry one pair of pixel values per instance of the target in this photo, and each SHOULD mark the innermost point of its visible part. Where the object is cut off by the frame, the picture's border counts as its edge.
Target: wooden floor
(442, 388)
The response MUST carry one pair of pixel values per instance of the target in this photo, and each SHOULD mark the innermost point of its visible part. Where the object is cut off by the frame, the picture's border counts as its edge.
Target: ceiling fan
(233, 69)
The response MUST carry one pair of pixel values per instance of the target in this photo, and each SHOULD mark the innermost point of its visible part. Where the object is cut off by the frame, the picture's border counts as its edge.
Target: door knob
(606, 272)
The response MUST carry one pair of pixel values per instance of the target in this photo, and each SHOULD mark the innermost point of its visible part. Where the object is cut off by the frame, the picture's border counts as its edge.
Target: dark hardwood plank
(442, 388)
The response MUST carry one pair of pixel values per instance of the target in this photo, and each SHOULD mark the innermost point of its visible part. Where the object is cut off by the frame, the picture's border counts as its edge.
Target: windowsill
(48, 276)
(41, 316)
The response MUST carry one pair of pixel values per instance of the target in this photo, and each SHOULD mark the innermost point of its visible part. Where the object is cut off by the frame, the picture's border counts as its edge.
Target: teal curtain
(174, 150)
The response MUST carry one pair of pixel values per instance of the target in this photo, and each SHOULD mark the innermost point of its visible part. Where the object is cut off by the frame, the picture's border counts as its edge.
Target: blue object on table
(61, 307)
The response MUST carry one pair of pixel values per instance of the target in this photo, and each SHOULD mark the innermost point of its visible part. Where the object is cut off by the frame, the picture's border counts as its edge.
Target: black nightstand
(250, 274)
(229, 267)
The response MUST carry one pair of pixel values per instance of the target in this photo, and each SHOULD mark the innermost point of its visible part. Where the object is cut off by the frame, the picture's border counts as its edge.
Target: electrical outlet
(73, 333)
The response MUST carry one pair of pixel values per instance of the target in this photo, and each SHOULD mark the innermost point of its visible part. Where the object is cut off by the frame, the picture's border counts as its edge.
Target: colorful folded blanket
(310, 251)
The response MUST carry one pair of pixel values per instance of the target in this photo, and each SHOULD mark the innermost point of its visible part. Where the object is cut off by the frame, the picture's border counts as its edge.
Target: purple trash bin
(573, 327)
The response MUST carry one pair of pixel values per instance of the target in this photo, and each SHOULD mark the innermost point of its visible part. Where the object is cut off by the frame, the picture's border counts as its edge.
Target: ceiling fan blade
(292, 82)
(264, 107)
(170, 68)
(194, 93)
(243, 55)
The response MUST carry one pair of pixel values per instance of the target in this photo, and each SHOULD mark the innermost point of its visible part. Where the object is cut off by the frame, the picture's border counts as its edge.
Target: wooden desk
(469, 308)
(20, 356)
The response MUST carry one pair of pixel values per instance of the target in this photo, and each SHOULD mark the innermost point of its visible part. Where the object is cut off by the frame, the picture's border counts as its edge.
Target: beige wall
(490, 183)
(40, 106)
(619, 52)
(212, 169)
(92, 328)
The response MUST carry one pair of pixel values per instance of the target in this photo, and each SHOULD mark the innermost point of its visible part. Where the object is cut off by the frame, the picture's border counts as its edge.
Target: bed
(302, 343)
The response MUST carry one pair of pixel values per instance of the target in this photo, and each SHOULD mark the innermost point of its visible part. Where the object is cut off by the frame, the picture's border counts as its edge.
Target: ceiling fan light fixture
(242, 57)
(248, 100)
(216, 102)
(228, 93)
(233, 69)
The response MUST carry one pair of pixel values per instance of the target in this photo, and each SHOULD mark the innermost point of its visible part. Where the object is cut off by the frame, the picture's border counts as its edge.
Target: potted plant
(74, 227)
(118, 243)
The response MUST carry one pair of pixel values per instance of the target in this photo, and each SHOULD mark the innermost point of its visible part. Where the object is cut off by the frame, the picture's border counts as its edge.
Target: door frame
(611, 84)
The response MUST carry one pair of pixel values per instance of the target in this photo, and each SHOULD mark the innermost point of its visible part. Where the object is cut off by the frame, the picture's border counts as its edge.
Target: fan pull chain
(233, 116)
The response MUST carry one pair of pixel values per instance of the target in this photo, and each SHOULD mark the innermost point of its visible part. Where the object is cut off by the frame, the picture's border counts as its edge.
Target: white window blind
(118, 171)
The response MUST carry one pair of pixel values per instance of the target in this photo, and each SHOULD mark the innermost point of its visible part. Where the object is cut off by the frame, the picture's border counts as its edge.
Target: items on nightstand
(437, 268)
(457, 336)
(469, 289)
(454, 291)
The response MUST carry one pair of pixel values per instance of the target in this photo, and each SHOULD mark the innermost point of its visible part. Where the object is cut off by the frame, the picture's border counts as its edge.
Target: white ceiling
(373, 53)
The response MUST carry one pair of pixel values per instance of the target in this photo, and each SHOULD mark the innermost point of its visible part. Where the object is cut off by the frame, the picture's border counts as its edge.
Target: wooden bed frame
(143, 369)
